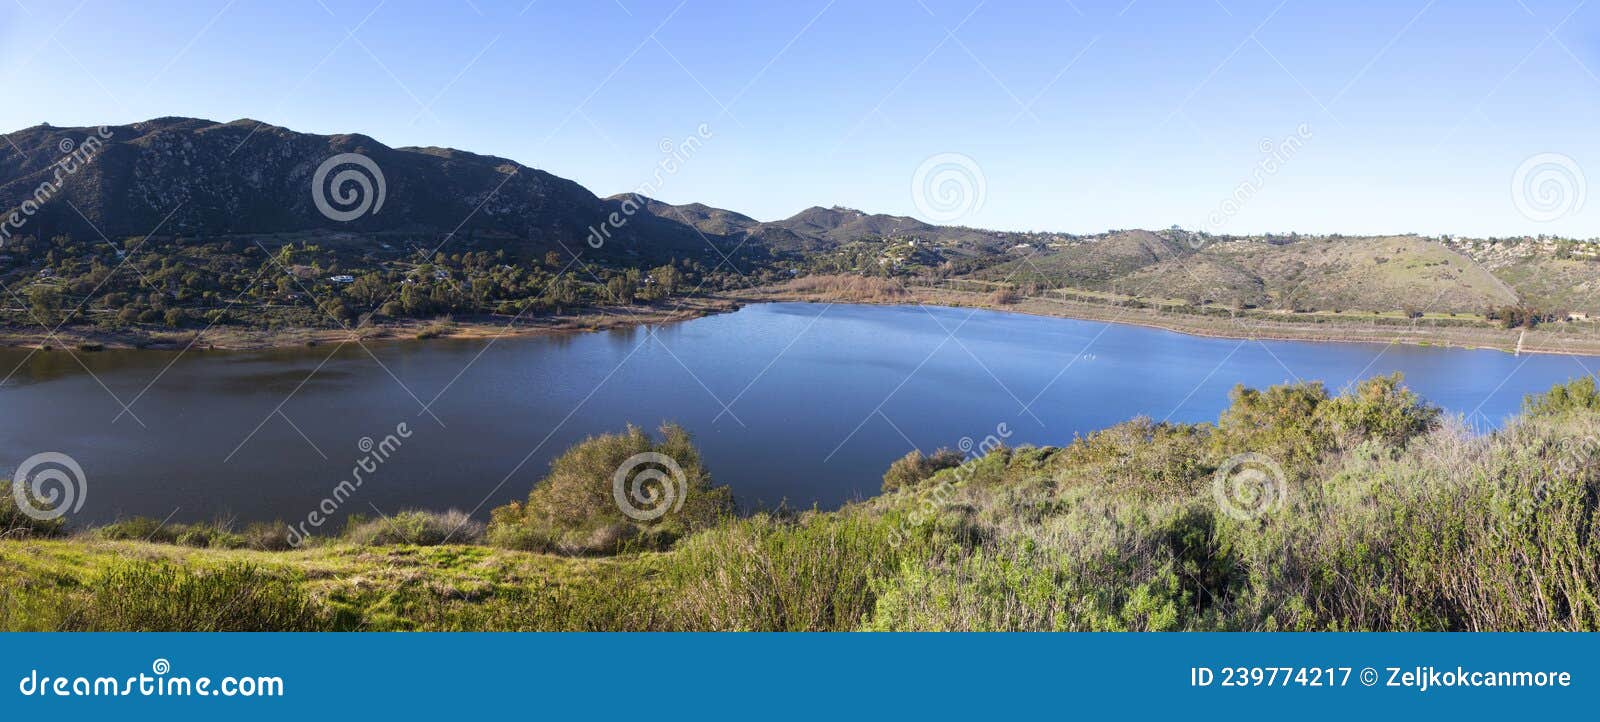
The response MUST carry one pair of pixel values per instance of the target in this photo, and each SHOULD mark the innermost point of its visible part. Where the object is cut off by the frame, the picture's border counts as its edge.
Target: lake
(789, 402)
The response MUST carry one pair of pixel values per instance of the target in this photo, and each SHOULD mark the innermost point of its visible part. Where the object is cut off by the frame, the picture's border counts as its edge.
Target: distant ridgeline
(183, 222)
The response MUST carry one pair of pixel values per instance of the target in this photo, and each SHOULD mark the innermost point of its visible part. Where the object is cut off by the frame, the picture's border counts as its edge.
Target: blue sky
(1079, 116)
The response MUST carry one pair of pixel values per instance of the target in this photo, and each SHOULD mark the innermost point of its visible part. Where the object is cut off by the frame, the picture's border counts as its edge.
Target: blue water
(804, 403)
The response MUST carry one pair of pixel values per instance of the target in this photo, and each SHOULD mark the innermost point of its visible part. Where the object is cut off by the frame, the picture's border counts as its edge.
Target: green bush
(1577, 395)
(914, 468)
(770, 574)
(574, 510)
(273, 537)
(16, 525)
(1300, 425)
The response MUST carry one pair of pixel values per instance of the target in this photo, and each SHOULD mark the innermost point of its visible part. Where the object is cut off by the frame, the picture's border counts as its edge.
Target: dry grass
(840, 287)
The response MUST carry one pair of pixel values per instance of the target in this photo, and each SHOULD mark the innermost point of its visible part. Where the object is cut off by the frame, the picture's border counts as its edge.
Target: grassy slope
(367, 588)
(1556, 283)
(1093, 265)
(1368, 274)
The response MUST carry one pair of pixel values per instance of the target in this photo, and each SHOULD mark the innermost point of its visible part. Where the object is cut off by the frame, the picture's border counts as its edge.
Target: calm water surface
(804, 403)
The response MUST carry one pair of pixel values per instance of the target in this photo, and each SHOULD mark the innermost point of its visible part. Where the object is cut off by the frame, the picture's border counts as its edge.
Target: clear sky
(1079, 115)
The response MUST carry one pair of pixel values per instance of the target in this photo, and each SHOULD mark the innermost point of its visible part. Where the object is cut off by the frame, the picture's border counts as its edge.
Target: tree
(412, 301)
(369, 290)
(666, 278)
(576, 509)
(621, 290)
(44, 302)
(336, 309)
(562, 292)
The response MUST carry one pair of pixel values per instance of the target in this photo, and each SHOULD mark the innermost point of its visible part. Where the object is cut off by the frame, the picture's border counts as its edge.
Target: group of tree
(1522, 316)
(177, 281)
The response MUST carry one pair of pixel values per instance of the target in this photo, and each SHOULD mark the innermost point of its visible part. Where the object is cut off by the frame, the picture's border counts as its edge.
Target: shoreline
(606, 318)
(1460, 337)
(227, 338)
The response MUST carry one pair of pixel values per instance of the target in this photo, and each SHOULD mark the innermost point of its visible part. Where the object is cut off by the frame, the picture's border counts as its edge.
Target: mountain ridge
(198, 178)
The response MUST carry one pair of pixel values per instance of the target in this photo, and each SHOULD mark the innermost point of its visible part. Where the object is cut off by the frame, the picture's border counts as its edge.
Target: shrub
(422, 528)
(15, 524)
(914, 468)
(1300, 424)
(1380, 409)
(265, 537)
(442, 326)
(771, 574)
(1578, 394)
(574, 509)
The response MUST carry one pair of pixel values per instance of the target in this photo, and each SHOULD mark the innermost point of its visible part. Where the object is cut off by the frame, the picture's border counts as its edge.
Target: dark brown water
(807, 403)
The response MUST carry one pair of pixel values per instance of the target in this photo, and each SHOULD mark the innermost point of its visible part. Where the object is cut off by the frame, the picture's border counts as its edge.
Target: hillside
(818, 229)
(1546, 272)
(187, 176)
(1332, 275)
(1312, 273)
(1095, 263)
